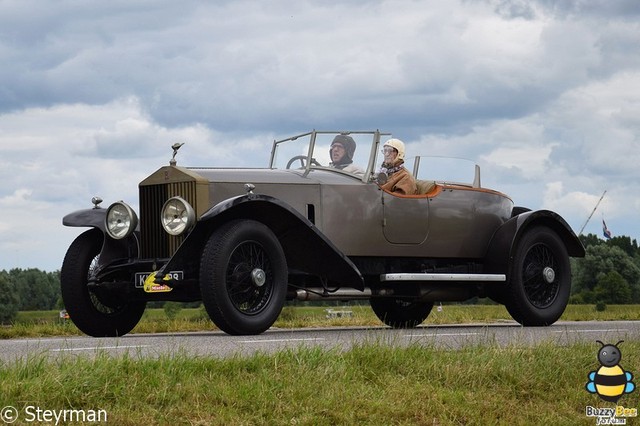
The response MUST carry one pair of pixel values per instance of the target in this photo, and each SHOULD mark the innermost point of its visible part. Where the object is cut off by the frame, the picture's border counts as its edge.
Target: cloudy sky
(544, 95)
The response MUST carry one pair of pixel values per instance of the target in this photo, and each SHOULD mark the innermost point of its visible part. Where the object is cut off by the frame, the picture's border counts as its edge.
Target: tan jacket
(401, 182)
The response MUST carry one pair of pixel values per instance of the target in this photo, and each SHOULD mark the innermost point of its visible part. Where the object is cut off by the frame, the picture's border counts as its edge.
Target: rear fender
(500, 252)
(306, 248)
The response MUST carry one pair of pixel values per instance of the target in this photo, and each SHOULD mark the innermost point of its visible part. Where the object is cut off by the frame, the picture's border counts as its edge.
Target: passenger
(399, 180)
(341, 152)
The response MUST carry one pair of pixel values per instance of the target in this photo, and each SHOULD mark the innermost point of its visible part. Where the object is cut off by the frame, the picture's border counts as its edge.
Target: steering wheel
(302, 159)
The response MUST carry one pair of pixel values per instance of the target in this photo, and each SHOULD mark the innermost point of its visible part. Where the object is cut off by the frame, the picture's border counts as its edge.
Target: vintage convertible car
(245, 241)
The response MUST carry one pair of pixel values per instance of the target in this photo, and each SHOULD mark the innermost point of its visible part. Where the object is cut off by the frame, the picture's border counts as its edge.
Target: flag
(605, 230)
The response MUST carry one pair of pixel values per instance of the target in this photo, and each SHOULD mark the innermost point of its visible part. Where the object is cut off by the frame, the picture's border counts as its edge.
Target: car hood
(253, 175)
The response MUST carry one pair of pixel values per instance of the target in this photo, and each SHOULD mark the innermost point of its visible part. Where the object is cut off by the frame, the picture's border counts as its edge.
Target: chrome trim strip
(444, 277)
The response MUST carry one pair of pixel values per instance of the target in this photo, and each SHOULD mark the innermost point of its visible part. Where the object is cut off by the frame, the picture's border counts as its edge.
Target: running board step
(444, 277)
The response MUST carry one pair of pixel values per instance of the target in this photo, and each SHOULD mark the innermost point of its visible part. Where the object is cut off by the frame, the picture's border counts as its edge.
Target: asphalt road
(218, 344)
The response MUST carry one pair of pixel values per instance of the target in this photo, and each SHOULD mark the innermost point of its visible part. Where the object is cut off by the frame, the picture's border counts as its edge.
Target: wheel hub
(549, 274)
(258, 277)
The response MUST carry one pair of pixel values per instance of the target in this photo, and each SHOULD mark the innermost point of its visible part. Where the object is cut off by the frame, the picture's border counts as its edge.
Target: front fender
(500, 253)
(306, 248)
(112, 250)
(93, 218)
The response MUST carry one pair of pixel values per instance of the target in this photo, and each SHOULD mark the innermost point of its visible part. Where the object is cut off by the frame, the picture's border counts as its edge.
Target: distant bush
(172, 309)
(8, 300)
(601, 306)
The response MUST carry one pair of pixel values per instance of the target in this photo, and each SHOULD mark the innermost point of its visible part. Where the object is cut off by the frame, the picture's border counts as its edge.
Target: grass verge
(48, 323)
(372, 383)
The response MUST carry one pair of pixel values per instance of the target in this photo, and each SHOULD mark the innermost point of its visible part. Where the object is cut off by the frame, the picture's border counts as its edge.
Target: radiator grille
(155, 242)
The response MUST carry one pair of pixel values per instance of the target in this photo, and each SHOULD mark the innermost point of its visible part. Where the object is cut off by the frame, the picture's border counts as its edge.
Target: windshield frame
(308, 166)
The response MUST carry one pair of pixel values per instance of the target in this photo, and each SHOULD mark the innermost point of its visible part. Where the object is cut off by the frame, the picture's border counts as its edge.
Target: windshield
(444, 169)
(349, 152)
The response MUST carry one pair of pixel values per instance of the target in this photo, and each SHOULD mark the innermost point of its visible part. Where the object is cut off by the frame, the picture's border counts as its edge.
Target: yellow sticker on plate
(152, 287)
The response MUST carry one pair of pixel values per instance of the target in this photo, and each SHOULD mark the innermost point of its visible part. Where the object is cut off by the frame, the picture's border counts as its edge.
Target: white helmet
(398, 145)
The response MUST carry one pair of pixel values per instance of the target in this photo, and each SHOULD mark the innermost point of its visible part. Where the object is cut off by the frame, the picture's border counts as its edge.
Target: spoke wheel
(98, 314)
(243, 277)
(540, 278)
(246, 278)
(399, 313)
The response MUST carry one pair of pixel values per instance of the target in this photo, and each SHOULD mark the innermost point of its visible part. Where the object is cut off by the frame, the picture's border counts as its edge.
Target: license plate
(142, 276)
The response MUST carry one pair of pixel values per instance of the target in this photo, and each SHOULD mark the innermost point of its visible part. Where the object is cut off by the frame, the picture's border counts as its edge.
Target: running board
(444, 277)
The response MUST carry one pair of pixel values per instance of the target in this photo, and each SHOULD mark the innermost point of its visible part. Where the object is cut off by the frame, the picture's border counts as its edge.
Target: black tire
(91, 313)
(400, 313)
(243, 277)
(539, 279)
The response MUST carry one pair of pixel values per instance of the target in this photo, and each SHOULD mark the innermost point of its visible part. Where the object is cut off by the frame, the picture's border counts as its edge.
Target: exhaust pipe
(426, 293)
(314, 294)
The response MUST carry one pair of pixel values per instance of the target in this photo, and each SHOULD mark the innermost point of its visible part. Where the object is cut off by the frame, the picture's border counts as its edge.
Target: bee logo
(610, 381)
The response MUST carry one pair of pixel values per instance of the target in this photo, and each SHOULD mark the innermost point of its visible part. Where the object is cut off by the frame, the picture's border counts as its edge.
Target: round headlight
(177, 216)
(121, 220)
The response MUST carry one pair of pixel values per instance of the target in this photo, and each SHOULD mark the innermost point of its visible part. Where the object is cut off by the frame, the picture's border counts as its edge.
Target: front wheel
(539, 278)
(399, 313)
(96, 314)
(243, 277)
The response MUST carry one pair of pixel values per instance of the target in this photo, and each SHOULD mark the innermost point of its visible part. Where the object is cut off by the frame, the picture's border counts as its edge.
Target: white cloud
(55, 159)
(93, 95)
(529, 161)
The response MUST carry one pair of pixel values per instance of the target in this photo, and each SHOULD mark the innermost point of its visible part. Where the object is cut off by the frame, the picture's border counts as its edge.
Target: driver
(341, 152)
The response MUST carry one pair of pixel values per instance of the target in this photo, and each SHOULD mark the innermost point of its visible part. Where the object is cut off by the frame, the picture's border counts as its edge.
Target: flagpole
(594, 210)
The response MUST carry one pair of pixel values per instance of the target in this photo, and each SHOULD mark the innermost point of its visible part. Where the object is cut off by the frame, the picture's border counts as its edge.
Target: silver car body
(337, 231)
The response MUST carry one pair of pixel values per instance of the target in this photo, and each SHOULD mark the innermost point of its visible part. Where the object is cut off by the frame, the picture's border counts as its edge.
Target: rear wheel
(96, 314)
(539, 278)
(401, 313)
(243, 277)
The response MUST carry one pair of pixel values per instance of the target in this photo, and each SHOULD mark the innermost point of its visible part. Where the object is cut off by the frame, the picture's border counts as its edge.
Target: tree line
(608, 274)
(28, 290)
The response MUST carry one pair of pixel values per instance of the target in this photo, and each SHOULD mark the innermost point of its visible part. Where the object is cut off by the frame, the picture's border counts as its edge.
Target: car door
(406, 219)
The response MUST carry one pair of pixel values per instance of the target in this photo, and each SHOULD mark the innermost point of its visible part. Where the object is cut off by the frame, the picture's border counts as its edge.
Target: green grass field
(370, 384)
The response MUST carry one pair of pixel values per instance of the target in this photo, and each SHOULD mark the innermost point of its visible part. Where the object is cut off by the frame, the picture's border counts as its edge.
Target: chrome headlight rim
(120, 221)
(177, 216)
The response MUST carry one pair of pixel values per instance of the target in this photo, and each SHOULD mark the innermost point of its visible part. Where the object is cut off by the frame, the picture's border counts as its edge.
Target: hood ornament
(176, 146)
